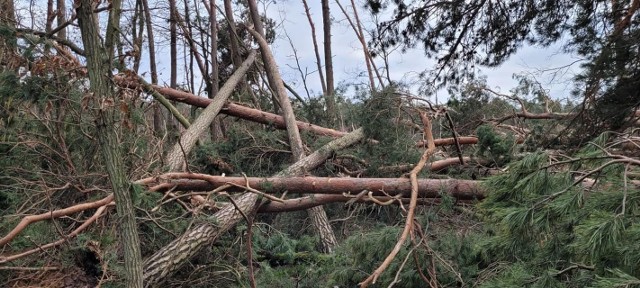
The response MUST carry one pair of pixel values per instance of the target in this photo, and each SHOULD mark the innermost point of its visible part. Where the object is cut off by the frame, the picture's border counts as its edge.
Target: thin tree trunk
(158, 119)
(49, 18)
(315, 47)
(276, 83)
(61, 17)
(7, 48)
(137, 30)
(99, 59)
(262, 117)
(364, 46)
(357, 28)
(173, 55)
(328, 63)
(259, 27)
(216, 131)
(235, 49)
(189, 138)
(169, 259)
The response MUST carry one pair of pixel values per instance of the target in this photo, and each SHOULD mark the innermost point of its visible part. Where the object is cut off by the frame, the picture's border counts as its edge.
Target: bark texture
(169, 259)
(189, 138)
(427, 188)
(7, 46)
(328, 61)
(317, 214)
(99, 59)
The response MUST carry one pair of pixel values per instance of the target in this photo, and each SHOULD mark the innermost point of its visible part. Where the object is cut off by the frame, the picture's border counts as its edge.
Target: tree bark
(99, 59)
(180, 150)
(317, 214)
(427, 188)
(7, 48)
(168, 259)
(262, 117)
(328, 62)
(158, 118)
(216, 131)
(61, 17)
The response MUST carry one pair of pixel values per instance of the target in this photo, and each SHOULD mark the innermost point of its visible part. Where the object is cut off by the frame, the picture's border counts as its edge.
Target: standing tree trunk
(7, 45)
(61, 17)
(158, 119)
(315, 47)
(172, 124)
(236, 58)
(99, 59)
(169, 259)
(328, 63)
(216, 131)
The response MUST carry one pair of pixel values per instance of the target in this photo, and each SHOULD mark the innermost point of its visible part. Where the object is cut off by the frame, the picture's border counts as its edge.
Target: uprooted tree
(227, 177)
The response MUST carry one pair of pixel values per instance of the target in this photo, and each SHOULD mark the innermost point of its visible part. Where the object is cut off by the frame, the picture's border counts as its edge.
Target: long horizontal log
(307, 202)
(169, 258)
(427, 188)
(232, 109)
(259, 116)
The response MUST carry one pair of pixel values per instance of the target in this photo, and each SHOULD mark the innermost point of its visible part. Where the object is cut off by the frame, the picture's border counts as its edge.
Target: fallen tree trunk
(427, 188)
(262, 117)
(188, 139)
(172, 256)
(233, 109)
(306, 202)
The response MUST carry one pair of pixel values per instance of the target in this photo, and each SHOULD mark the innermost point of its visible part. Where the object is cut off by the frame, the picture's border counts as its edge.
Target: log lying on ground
(427, 188)
(172, 256)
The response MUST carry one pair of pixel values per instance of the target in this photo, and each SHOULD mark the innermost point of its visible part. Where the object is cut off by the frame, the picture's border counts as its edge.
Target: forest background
(214, 144)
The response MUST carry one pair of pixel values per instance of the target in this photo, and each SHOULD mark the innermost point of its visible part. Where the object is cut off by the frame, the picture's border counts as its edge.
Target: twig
(455, 137)
(26, 221)
(45, 268)
(265, 195)
(396, 278)
(75, 232)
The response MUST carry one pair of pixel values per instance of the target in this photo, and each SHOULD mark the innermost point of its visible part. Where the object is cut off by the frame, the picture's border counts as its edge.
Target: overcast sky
(348, 58)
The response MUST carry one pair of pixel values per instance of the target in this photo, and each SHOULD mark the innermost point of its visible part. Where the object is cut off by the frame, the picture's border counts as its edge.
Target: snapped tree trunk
(318, 215)
(262, 117)
(99, 59)
(169, 259)
(181, 149)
